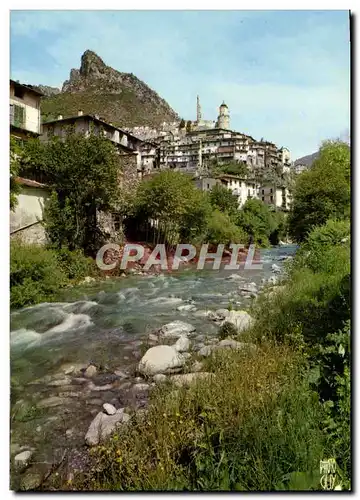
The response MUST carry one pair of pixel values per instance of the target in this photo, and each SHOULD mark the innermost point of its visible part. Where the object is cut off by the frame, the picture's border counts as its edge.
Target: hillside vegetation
(120, 98)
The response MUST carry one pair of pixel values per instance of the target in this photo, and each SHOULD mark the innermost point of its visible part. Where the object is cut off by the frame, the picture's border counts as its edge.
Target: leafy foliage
(35, 275)
(223, 199)
(221, 229)
(256, 221)
(172, 199)
(322, 192)
(83, 173)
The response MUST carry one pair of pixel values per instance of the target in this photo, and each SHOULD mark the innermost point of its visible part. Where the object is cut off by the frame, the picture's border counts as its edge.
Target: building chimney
(80, 112)
(60, 117)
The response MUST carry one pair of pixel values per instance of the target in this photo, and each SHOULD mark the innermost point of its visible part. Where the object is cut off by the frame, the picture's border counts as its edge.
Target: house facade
(24, 111)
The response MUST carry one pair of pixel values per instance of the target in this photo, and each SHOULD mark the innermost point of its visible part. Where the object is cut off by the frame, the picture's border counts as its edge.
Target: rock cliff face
(120, 98)
(46, 90)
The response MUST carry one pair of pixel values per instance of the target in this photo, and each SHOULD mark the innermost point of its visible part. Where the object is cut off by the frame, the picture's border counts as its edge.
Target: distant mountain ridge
(119, 98)
(307, 160)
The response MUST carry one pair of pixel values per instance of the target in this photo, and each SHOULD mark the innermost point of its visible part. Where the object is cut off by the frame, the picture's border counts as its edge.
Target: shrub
(227, 330)
(35, 275)
(74, 264)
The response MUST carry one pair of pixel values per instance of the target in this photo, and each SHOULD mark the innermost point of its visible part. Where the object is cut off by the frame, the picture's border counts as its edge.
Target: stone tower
(198, 109)
(223, 120)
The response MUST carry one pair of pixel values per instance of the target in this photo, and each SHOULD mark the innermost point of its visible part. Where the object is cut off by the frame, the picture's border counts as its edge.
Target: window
(271, 191)
(263, 192)
(19, 92)
(271, 198)
(208, 185)
(17, 116)
(248, 192)
(263, 198)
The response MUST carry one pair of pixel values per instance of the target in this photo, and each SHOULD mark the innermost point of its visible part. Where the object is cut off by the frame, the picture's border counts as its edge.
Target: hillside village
(208, 150)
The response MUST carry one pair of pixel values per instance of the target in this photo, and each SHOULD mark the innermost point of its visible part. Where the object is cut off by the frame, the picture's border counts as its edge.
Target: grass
(255, 424)
(123, 108)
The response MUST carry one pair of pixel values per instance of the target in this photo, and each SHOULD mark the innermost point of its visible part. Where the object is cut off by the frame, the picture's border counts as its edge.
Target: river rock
(235, 277)
(153, 337)
(197, 366)
(58, 383)
(30, 481)
(109, 409)
(186, 308)
(53, 401)
(201, 314)
(182, 344)
(141, 387)
(121, 374)
(176, 329)
(22, 459)
(275, 268)
(161, 359)
(249, 288)
(240, 319)
(103, 425)
(206, 350)
(160, 378)
(186, 379)
(90, 371)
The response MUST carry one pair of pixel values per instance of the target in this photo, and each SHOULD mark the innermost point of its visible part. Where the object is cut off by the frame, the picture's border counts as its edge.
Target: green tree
(231, 168)
(83, 174)
(171, 199)
(221, 229)
(182, 124)
(256, 221)
(15, 158)
(223, 199)
(323, 192)
(188, 126)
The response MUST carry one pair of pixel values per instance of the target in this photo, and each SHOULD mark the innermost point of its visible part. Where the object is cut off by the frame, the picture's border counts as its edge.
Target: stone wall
(34, 234)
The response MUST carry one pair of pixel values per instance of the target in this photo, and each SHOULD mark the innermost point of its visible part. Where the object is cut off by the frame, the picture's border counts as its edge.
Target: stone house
(24, 111)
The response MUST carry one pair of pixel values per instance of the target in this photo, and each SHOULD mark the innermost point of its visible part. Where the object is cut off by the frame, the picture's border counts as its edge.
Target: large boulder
(161, 359)
(103, 425)
(176, 329)
(240, 319)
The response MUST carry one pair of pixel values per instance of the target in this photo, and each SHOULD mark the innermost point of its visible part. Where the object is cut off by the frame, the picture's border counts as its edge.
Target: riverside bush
(35, 275)
(75, 264)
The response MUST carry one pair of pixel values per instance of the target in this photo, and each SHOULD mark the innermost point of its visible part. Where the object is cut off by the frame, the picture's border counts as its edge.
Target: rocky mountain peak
(92, 65)
(120, 98)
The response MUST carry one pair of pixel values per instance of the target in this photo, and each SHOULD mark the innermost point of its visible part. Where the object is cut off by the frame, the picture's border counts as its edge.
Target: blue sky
(285, 75)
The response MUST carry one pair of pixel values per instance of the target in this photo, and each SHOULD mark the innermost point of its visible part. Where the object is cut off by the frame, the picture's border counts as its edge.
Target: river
(107, 324)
